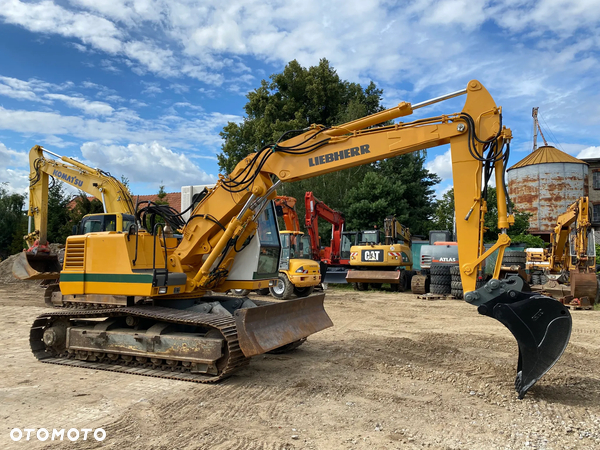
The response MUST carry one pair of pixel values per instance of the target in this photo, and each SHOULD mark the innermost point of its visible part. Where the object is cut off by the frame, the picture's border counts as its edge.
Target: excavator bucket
(584, 285)
(335, 275)
(40, 266)
(541, 325)
(268, 327)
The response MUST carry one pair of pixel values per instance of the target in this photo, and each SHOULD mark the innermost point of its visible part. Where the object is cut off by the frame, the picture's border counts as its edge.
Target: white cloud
(17, 180)
(149, 163)
(441, 165)
(47, 17)
(89, 107)
(14, 172)
(151, 88)
(590, 152)
(13, 158)
(24, 90)
(123, 125)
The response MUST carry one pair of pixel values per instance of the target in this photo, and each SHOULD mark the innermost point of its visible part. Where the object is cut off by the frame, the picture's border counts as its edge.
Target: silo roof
(547, 154)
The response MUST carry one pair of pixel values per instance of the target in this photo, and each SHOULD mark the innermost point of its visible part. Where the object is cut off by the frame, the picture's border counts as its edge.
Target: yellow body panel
(102, 263)
(312, 278)
(393, 255)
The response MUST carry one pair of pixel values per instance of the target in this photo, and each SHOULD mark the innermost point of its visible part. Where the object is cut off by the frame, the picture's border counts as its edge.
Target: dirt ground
(393, 372)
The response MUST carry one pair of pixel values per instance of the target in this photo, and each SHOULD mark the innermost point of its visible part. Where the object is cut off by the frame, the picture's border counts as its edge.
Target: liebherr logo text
(337, 156)
(42, 434)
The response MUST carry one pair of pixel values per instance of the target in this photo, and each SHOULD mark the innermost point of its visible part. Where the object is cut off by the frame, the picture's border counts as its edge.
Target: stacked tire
(514, 259)
(457, 287)
(538, 278)
(441, 280)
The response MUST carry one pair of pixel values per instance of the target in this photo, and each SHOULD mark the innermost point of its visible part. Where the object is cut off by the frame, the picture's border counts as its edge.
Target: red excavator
(335, 259)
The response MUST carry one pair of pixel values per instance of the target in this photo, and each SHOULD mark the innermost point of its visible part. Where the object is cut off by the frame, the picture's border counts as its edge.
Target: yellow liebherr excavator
(38, 263)
(171, 328)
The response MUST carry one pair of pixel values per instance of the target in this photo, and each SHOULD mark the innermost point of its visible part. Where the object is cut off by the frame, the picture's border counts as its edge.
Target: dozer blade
(373, 276)
(541, 325)
(40, 266)
(265, 328)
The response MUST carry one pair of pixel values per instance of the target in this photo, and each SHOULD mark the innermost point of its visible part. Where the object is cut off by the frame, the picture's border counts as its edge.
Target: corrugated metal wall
(546, 190)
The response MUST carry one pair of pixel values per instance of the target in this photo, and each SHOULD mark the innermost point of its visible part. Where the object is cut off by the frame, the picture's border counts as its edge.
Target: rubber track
(225, 324)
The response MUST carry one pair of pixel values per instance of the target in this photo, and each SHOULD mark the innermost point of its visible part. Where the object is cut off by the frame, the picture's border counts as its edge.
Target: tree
(299, 97)
(13, 223)
(521, 225)
(517, 232)
(293, 100)
(444, 212)
(161, 196)
(83, 207)
(58, 214)
(400, 187)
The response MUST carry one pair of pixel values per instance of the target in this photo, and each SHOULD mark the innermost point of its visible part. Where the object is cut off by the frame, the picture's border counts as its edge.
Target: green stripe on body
(105, 278)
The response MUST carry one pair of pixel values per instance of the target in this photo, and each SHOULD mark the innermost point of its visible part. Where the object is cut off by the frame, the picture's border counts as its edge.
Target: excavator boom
(38, 263)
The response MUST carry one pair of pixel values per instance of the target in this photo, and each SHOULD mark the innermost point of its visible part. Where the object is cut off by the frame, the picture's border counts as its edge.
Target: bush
(528, 240)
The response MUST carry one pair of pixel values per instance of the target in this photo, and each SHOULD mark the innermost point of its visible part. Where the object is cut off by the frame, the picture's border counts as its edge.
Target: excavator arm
(217, 238)
(114, 196)
(288, 211)
(394, 230)
(316, 209)
(37, 262)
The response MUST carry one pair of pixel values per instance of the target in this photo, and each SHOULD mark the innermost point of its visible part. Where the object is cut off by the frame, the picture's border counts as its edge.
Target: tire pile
(514, 259)
(441, 280)
(538, 278)
(457, 287)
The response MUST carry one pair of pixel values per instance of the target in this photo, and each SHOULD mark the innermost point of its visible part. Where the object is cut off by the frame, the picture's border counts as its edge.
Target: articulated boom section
(219, 251)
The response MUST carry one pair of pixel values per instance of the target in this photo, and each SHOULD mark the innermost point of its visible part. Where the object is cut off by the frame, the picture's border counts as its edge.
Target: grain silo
(544, 184)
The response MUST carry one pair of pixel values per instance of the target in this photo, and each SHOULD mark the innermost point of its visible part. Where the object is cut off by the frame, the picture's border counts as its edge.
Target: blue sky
(142, 88)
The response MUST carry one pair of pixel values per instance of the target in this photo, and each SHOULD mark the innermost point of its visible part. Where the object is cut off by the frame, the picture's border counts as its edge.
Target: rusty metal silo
(544, 184)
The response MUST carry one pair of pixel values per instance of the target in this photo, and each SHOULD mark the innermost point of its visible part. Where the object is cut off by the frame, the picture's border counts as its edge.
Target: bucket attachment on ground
(540, 324)
(335, 275)
(584, 285)
(373, 276)
(268, 327)
(36, 266)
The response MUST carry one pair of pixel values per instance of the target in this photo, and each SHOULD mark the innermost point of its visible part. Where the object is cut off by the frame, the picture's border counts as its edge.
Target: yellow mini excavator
(146, 303)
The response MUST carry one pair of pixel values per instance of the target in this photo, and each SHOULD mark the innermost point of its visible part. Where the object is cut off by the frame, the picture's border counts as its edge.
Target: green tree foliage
(528, 240)
(401, 187)
(444, 212)
(13, 222)
(521, 225)
(161, 196)
(83, 207)
(58, 214)
(518, 232)
(293, 100)
(299, 97)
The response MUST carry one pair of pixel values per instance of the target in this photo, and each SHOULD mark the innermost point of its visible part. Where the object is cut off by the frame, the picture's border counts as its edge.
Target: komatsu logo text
(336, 156)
